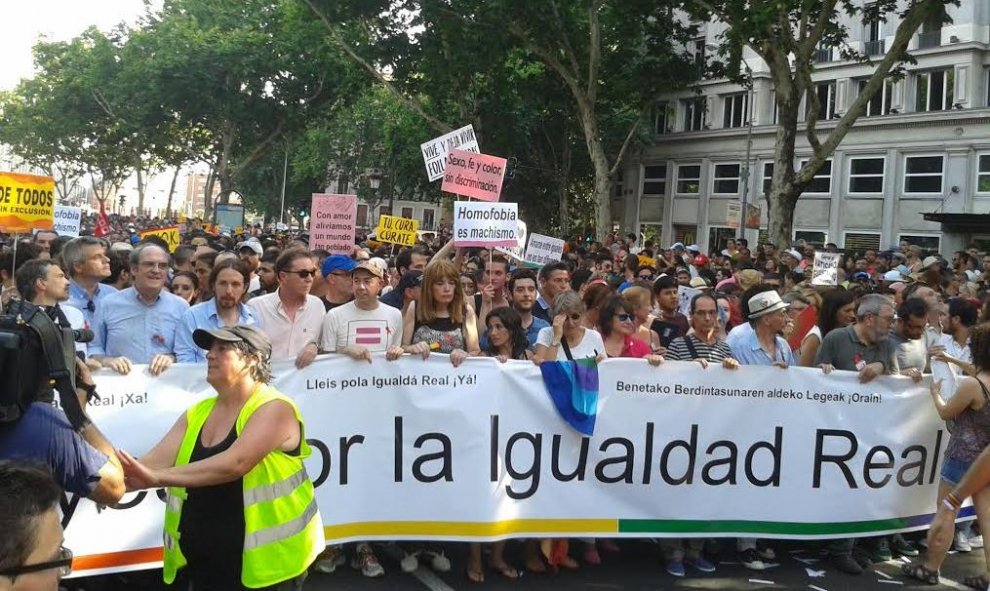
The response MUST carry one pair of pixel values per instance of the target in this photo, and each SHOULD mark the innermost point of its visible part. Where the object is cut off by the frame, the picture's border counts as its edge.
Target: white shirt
(591, 344)
(288, 337)
(376, 330)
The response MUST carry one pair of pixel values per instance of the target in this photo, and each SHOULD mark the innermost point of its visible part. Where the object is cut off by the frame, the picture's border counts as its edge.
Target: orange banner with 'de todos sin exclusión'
(27, 202)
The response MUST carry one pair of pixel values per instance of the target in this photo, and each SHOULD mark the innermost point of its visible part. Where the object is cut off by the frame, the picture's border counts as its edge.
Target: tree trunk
(171, 191)
(140, 185)
(211, 180)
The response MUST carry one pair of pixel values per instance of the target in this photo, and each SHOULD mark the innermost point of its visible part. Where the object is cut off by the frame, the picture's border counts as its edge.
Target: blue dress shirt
(78, 298)
(748, 351)
(203, 315)
(125, 326)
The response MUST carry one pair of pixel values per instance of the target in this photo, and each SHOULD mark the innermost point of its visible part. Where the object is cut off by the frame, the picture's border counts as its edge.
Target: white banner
(484, 223)
(435, 151)
(67, 220)
(825, 270)
(543, 250)
(419, 450)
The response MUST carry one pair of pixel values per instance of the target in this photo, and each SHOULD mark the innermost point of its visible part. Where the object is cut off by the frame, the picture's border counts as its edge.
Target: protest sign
(684, 296)
(418, 450)
(645, 261)
(733, 211)
(67, 220)
(478, 176)
(435, 151)
(516, 252)
(169, 235)
(396, 230)
(752, 217)
(27, 202)
(543, 250)
(485, 224)
(332, 223)
(825, 269)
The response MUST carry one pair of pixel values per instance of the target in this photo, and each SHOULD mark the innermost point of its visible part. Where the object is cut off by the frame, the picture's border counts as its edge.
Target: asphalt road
(637, 567)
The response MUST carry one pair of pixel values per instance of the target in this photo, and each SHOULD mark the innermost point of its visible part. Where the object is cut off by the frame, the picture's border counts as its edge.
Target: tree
(786, 35)
(610, 59)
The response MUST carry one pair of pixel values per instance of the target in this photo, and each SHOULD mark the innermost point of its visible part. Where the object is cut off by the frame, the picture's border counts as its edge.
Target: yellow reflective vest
(283, 531)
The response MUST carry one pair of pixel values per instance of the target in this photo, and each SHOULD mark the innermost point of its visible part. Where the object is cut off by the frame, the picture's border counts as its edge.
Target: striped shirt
(679, 350)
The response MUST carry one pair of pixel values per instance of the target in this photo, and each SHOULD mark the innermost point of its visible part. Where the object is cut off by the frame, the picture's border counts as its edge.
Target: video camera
(36, 354)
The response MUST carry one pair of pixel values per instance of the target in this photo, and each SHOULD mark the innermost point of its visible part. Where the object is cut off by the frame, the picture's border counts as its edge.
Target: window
(407, 212)
(983, 173)
(929, 243)
(873, 33)
(934, 90)
(618, 188)
(826, 100)
(661, 123)
(726, 179)
(923, 174)
(860, 242)
(866, 175)
(776, 108)
(767, 177)
(694, 114)
(735, 109)
(698, 52)
(880, 102)
(428, 219)
(822, 183)
(816, 238)
(655, 179)
(685, 234)
(689, 178)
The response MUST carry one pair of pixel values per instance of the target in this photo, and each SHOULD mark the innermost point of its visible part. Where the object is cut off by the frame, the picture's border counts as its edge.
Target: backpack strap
(689, 342)
(55, 345)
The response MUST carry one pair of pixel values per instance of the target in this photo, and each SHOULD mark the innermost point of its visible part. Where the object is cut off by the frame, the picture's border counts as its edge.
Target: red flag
(102, 223)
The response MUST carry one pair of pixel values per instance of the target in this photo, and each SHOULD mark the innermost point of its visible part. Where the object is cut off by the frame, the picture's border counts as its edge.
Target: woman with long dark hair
(838, 310)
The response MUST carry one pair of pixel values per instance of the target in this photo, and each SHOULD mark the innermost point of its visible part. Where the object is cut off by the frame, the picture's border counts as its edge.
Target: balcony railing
(930, 39)
(878, 47)
(823, 56)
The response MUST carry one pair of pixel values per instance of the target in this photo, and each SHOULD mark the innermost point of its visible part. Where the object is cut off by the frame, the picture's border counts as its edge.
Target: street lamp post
(749, 147)
(285, 169)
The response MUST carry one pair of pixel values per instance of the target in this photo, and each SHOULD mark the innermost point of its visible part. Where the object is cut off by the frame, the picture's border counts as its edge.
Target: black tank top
(211, 531)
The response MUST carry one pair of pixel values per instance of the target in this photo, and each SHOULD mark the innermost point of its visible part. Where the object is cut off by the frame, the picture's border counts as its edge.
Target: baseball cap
(337, 262)
(372, 266)
(893, 276)
(701, 261)
(677, 246)
(694, 248)
(795, 254)
(929, 261)
(253, 245)
(699, 283)
(235, 334)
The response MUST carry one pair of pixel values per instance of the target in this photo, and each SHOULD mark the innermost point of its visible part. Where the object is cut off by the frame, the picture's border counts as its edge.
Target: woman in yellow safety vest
(241, 512)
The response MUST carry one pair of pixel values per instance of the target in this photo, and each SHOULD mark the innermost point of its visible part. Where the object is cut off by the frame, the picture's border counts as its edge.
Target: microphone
(82, 335)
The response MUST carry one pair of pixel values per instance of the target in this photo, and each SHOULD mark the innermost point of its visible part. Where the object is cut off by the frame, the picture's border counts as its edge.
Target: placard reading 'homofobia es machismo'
(479, 223)
(417, 450)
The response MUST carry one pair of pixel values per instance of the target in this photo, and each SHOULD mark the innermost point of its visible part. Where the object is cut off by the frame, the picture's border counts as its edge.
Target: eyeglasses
(646, 277)
(575, 316)
(624, 317)
(151, 265)
(63, 563)
(304, 274)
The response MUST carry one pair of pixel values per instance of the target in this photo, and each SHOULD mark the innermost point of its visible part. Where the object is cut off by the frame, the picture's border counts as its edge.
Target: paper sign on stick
(516, 252)
(170, 235)
(485, 224)
(733, 211)
(825, 269)
(474, 175)
(67, 220)
(396, 230)
(684, 296)
(332, 223)
(27, 202)
(435, 151)
(543, 250)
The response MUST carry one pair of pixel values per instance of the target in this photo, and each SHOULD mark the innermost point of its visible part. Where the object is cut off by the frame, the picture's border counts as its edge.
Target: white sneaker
(975, 541)
(961, 543)
(409, 563)
(328, 561)
(439, 562)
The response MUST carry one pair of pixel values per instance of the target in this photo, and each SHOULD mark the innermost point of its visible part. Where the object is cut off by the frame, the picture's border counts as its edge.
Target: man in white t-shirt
(357, 329)
(364, 326)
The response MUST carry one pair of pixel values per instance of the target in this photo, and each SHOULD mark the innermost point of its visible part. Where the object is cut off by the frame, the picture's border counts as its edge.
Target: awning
(961, 222)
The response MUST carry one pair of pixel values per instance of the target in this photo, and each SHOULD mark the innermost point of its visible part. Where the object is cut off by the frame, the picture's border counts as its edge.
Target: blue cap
(861, 275)
(338, 262)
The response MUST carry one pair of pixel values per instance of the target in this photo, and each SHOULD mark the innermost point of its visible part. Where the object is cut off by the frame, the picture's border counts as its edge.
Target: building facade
(916, 166)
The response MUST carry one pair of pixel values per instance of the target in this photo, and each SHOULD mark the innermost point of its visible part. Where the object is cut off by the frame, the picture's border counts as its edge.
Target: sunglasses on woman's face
(574, 316)
(624, 317)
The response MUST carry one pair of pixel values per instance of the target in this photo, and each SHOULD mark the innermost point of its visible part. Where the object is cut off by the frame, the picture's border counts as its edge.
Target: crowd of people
(238, 303)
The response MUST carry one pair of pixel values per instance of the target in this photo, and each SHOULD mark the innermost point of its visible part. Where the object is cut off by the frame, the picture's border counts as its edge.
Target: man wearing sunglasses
(32, 557)
(291, 317)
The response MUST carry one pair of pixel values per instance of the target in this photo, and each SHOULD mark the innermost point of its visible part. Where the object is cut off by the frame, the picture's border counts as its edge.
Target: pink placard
(331, 223)
(478, 176)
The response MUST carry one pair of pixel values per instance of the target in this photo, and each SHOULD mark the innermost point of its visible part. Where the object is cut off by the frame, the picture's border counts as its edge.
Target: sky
(57, 20)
